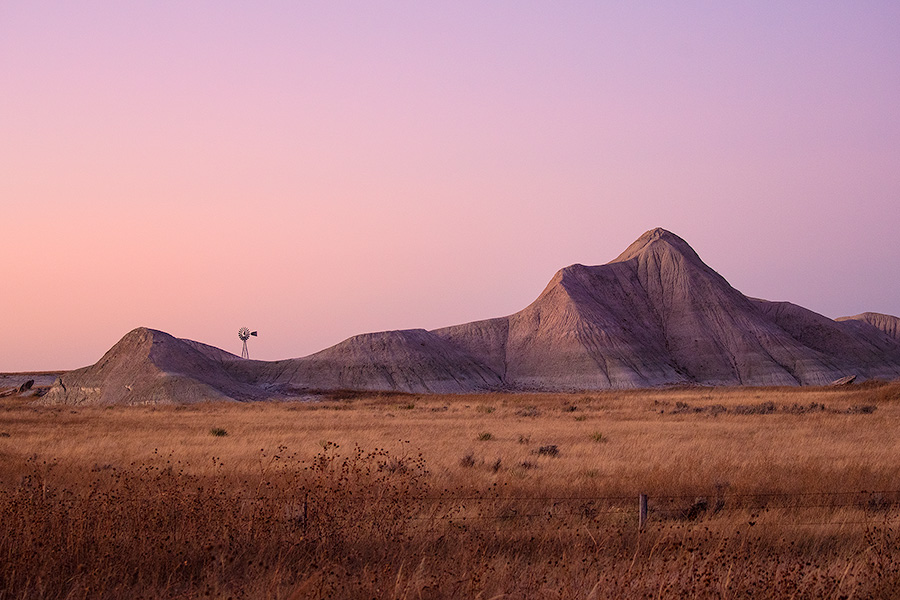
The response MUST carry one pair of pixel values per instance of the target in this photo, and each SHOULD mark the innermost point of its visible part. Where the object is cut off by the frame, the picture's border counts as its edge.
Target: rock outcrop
(656, 315)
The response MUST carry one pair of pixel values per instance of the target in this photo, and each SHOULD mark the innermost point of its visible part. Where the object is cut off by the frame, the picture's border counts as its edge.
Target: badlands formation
(656, 315)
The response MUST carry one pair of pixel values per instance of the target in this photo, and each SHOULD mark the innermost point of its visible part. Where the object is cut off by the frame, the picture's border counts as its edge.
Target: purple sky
(318, 170)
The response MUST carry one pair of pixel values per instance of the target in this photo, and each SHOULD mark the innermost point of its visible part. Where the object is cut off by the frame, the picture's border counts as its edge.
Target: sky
(315, 170)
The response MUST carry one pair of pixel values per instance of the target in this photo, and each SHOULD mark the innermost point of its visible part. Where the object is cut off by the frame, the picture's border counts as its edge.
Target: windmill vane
(244, 335)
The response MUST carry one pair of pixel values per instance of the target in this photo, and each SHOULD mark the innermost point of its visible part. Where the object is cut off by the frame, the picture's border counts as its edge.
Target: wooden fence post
(305, 511)
(642, 518)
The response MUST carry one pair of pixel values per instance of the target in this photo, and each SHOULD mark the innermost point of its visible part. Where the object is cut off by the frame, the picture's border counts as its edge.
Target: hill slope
(414, 360)
(658, 315)
(152, 367)
(887, 324)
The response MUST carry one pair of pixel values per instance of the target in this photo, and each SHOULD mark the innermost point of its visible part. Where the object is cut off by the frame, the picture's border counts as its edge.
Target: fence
(867, 507)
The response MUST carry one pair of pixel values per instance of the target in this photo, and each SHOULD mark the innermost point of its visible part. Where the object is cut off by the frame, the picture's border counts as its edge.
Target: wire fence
(859, 507)
(867, 506)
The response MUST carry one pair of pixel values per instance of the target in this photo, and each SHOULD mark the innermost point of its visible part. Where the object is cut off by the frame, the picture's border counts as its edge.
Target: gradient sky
(314, 170)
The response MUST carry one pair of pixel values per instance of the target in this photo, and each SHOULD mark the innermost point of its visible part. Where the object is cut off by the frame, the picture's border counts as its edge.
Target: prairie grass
(386, 497)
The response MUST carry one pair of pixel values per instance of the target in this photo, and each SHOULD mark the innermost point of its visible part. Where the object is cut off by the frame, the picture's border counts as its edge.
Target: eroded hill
(656, 315)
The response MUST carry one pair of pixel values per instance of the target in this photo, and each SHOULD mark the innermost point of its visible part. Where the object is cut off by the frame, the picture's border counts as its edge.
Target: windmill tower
(244, 335)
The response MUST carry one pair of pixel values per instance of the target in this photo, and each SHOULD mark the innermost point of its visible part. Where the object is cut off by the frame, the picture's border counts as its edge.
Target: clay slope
(655, 315)
(856, 346)
(151, 367)
(887, 324)
(411, 361)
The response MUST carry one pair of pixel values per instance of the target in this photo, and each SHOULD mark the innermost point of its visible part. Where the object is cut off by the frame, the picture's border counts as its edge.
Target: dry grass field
(753, 493)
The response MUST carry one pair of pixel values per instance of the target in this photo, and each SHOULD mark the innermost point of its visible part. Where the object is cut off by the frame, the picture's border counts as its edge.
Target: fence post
(642, 518)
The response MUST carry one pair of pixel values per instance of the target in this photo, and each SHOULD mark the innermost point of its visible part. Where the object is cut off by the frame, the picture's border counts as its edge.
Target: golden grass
(398, 496)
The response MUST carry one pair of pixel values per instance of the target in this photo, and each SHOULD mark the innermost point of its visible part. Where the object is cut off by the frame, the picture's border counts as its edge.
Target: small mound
(150, 367)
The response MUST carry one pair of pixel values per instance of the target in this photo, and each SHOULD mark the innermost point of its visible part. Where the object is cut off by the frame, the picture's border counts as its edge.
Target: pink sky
(318, 170)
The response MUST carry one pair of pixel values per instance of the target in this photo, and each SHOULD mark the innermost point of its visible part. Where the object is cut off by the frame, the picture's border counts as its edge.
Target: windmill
(244, 335)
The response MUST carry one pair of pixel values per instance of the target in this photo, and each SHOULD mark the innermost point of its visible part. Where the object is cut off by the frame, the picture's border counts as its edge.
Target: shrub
(467, 461)
(763, 408)
(528, 411)
(485, 437)
(218, 432)
(799, 409)
(598, 437)
(549, 450)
